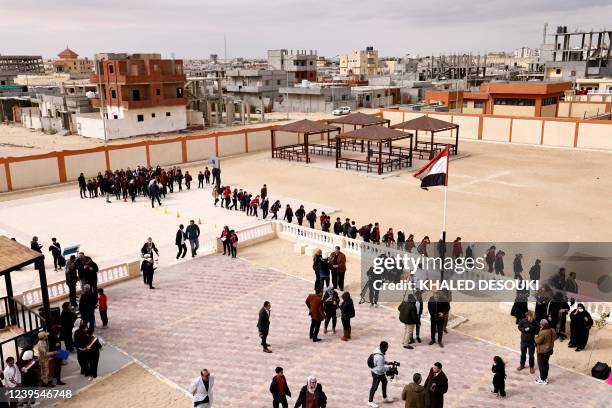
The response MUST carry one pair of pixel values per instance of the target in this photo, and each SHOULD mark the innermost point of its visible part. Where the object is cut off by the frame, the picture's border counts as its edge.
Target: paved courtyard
(204, 313)
(114, 233)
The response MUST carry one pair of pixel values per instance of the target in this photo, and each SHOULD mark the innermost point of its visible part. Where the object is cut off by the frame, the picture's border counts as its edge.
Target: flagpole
(444, 217)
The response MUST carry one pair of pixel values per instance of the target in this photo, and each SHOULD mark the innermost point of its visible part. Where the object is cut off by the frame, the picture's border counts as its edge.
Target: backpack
(371, 360)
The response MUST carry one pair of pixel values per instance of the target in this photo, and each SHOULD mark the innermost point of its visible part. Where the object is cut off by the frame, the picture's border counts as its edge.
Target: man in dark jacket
(148, 269)
(193, 234)
(409, 316)
(300, 213)
(311, 217)
(528, 328)
(534, 272)
(154, 193)
(438, 308)
(279, 389)
(82, 186)
(88, 273)
(288, 214)
(87, 307)
(180, 242)
(263, 325)
(436, 386)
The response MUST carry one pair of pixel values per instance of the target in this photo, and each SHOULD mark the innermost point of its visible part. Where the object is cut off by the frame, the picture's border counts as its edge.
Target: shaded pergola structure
(359, 119)
(433, 126)
(301, 151)
(385, 158)
(13, 257)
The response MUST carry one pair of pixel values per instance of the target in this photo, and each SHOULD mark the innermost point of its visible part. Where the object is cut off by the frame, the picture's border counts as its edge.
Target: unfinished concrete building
(582, 54)
(13, 65)
(470, 68)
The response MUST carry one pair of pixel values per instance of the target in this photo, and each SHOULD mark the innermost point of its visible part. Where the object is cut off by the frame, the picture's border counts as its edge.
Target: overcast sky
(192, 28)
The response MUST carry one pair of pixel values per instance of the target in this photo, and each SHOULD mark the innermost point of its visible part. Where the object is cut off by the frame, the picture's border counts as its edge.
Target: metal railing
(27, 320)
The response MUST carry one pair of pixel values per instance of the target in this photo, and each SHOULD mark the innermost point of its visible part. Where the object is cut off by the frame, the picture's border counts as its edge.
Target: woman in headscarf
(331, 300)
(311, 395)
(580, 324)
(79, 335)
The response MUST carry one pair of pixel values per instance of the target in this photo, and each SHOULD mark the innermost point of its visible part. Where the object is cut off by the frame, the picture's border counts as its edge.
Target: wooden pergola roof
(427, 124)
(306, 126)
(374, 134)
(15, 256)
(359, 119)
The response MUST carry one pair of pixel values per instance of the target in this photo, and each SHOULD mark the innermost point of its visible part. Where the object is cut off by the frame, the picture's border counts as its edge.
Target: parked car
(343, 110)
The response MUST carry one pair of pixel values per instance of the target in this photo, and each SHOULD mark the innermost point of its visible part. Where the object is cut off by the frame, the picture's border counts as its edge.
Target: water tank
(305, 83)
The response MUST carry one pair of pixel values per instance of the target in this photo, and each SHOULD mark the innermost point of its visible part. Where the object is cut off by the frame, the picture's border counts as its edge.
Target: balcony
(123, 79)
(145, 103)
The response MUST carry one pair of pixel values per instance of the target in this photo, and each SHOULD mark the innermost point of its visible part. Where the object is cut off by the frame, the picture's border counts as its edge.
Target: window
(167, 113)
(158, 92)
(573, 73)
(478, 104)
(113, 94)
(267, 82)
(110, 69)
(140, 118)
(135, 94)
(549, 101)
(179, 92)
(278, 82)
(115, 117)
(558, 71)
(515, 102)
(152, 115)
(465, 104)
(378, 95)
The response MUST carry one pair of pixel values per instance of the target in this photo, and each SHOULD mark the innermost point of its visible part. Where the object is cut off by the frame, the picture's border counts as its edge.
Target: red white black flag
(434, 173)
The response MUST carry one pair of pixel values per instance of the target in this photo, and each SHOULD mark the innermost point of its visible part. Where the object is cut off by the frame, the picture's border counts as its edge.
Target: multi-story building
(530, 99)
(256, 86)
(13, 65)
(361, 64)
(578, 55)
(137, 94)
(69, 62)
(314, 97)
(301, 65)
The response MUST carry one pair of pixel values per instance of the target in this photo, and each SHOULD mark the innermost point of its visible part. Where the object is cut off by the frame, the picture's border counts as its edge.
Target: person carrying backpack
(378, 368)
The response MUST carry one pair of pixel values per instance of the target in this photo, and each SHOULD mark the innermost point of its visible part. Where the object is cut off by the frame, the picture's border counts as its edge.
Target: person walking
(545, 343)
(311, 217)
(436, 386)
(311, 395)
(314, 303)
(414, 393)
(499, 377)
(347, 309)
(149, 248)
(207, 175)
(331, 300)
(179, 241)
(215, 194)
(201, 179)
(378, 369)
(201, 389)
(193, 235)
(265, 204)
(438, 307)
(188, 179)
(225, 240)
(288, 214)
(300, 213)
(529, 328)
(279, 389)
(580, 324)
(233, 243)
(154, 193)
(56, 251)
(337, 261)
(82, 185)
(147, 268)
(263, 325)
(535, 271)
(409, 316)
(418, 295)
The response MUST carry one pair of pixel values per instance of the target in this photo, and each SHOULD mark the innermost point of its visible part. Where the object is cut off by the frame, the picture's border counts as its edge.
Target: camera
(392, 371)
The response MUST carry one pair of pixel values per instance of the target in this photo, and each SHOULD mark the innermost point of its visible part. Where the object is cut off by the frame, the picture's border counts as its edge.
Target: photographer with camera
(380, 370)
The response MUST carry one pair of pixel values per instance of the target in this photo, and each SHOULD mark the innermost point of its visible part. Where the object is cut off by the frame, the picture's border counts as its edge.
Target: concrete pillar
(242, 103)
(263, 111)
(248, 112)
(219, 111)
(229, 113)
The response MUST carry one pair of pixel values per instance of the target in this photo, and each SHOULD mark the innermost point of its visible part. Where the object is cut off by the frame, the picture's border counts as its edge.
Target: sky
(196, 29)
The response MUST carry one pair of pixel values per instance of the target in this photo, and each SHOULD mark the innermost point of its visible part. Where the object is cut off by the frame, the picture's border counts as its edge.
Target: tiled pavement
(204, 313)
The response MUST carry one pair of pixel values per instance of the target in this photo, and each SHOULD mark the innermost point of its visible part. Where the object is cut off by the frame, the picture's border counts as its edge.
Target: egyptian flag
(435, 172)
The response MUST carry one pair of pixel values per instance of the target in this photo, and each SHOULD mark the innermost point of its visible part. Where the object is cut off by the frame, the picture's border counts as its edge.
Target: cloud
(192, 28)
